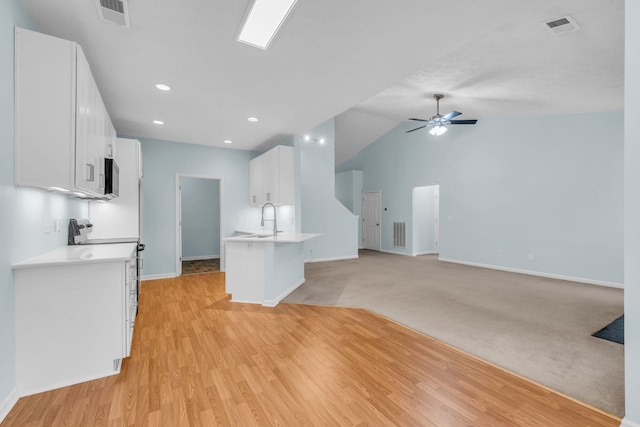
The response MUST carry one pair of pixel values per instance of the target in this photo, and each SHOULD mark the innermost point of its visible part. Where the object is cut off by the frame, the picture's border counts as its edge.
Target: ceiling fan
(437, 123)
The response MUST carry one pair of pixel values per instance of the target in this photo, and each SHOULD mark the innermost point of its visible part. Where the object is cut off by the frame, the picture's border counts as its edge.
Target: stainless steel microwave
(111, 179)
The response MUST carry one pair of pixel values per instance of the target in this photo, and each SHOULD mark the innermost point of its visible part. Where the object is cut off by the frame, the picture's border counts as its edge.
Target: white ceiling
(371, 63)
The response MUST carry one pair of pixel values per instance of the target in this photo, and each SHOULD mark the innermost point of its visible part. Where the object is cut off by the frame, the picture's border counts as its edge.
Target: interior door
(371, 220)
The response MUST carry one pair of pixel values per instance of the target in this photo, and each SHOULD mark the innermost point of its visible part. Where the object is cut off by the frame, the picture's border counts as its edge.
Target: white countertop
(263, 236)
(81, 254)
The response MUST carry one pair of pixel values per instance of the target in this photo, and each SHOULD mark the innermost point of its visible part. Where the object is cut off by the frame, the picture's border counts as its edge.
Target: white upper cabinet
(271, 177)
(63, 130)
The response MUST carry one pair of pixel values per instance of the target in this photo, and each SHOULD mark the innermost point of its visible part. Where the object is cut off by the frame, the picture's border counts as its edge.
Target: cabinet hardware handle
(268, 197)
(254, 199)
(90, 169)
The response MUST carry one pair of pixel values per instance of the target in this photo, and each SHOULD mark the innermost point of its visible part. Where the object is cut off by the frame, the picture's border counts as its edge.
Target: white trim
(425, 253)
(275, 301)
(8, 403)
(244, 301)
(396, 252)
(159, 276)
(331, 259)
(70, 382)
(537, 273)
(178, 203)
(200, 257)
(628, 423)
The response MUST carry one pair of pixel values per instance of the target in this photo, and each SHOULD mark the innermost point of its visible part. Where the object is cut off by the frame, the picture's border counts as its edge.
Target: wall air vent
(114, 11)
(563, 25)
(400, 234)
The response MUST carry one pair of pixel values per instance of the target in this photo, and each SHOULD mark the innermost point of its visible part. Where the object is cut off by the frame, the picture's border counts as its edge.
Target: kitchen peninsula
(263, 269)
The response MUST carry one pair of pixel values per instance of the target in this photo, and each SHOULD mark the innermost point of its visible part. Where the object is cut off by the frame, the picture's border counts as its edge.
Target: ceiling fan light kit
(438, 122)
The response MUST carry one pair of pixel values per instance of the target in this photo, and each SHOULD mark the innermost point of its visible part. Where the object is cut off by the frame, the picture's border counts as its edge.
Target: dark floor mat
(614, 331)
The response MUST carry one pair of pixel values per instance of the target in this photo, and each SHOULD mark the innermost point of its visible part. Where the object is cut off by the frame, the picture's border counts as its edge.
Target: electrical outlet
(498, 252)
(530, 257)
(56, 224)
(450, 218)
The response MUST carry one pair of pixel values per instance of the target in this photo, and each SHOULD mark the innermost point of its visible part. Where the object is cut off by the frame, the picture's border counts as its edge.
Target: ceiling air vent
(563, 25)
(114, 11)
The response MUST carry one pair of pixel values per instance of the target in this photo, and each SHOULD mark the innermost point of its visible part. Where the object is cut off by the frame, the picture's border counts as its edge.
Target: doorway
(198, 224)
(426, 220)
(371, 220)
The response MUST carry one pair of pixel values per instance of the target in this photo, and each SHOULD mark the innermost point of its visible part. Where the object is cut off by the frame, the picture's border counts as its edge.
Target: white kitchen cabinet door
(256, 193)
(86, 127)
(62, 126)
(271, 177)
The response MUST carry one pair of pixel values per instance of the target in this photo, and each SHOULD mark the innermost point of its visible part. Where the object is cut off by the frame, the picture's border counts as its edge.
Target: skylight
(263, 21)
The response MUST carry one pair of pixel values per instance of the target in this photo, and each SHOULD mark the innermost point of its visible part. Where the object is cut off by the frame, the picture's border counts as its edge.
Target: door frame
(178, 241)
(380, 217)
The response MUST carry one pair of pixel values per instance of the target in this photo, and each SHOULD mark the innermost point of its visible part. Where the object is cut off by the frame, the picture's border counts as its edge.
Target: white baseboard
(386, 251)
(536, 273)
(425, 253)
(200, 257)
(8, 403)
(275, 301)
(159, 276)
(628, 423)
(331, 259)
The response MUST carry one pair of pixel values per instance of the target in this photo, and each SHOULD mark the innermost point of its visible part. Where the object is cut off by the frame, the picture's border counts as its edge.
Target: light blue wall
(162, 160)
(632, 215)
(200, 218)
(349, 193)
(22, 210)
(548, 186)
(320, 210)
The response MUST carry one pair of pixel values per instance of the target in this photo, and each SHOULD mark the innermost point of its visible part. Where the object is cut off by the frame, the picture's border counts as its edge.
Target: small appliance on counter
(78, 230)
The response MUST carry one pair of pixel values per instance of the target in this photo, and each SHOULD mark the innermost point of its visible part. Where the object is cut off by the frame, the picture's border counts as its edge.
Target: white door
(371, 220)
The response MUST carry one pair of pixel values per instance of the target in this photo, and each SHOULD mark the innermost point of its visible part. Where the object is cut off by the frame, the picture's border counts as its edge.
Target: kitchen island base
(263, 270)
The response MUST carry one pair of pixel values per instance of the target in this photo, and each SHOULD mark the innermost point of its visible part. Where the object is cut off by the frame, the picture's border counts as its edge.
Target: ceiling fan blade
(451, 115)
(420, 120)
(416, 129)
(464, 122)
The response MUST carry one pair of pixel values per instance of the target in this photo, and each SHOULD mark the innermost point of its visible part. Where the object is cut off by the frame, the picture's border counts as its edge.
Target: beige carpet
(536, 327)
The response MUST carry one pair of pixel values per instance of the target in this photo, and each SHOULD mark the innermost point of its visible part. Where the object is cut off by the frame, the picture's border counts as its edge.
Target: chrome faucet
(275, 219)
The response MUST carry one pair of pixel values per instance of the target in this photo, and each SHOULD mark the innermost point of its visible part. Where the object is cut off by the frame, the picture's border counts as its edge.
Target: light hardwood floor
(199, 360)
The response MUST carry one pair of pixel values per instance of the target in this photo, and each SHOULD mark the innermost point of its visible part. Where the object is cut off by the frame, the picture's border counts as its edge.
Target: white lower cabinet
(74, 323)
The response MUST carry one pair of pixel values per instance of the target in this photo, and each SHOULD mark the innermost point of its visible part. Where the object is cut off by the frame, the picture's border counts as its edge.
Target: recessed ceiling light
(158, 122)
(252, 119)
(307, 138)
(228, 141)
(162, 86)
(321, 141)
(263, 21)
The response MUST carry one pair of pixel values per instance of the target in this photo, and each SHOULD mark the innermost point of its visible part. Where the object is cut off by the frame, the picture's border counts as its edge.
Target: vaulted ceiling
(370, 63)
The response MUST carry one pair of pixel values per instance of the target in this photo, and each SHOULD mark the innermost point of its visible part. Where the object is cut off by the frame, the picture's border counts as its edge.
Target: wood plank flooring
(200, 360)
